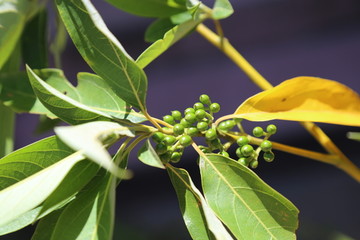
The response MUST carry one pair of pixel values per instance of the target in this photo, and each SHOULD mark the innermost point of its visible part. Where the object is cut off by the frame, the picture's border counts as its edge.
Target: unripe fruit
(211, 134)
(258, 132)
(225, 154)
(266, 146)
(254, 164)
(271, 129)
(158, 137)
(214, 107)
(165, 157)
(185, 140)
(198, 106)
(247, 150)
(169, 119)
(242, 140)
(176, 115)
(178, 129)
(205, 99)
(189, 110)
(243, 161)
(230, 124)
(269, 156)
(223, 126)
(185, 123)
(200, 114)
(202, 126)
(192, 131)
(216, 143)
(169, 140)
(190, 117)
(175, 157)
(239, 153)
(161, 148)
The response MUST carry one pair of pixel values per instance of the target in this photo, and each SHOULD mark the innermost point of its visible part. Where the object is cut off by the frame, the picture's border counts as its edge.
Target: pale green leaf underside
(27, 194)
(148, 156)
(103, 52)
(198, 216)
(248, 207)
(88, 138)
(222, 9)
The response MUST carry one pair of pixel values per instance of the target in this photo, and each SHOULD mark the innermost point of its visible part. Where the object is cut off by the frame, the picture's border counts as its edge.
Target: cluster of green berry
(196, 121)
(247, 155)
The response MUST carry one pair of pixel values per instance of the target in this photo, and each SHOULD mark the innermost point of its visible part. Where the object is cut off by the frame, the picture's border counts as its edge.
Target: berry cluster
(196, 121)
(247, 155)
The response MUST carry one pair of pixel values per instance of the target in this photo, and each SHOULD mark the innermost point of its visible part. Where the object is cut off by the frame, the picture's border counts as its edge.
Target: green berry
(192, 131)
(204, 149)
(269, 156)
(189, 110)
(242, 140)
(239, 153)
(158, 137)
(271, 129)
(169, 140)
(214, 107)
(266, 146)
(185, 123)
(243, 161)
(211, 134)
(176, 115)
(161, 148)
(200, 114)
(202, 126)
(247, 150)
(224, 153)
(223, 126)
(175, 157)
(169, 119)
(185, 140)
(258, 132)
(254, 163)
(190, 117)
(165, 157)
(198, 105)
(230, 124)
(205, 99)
(178, 129)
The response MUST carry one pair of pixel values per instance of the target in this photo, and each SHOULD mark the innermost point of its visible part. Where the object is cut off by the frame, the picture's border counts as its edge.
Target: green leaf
(151, 8)
(7, 119)
(21, 193)
(157, 29)
(148, 156)
(34, 41)
(222, 9)
(245, 204)
(20, 222)
(88, 138)
(198, 216)
(103, 52)
(354, 135)
(12, 21)
(91, 100)
(170, 38)
(89, 216)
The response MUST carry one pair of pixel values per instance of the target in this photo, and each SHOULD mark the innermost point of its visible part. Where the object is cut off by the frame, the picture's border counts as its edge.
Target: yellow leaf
(304, 99)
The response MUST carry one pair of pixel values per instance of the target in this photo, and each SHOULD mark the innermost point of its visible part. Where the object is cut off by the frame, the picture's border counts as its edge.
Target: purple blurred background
(282, 39)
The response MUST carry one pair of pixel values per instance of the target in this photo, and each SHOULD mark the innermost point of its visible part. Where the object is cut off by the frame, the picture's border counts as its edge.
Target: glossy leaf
(151, 8)
(13, 16)
(88, 138)
(222, 9)
(304, 99)
(89, 216)
(148, 156)
(198, 216)
(91, 100)
(170, 38)
(28, 193)
(103, 52)
(246, 205)
(34, 45)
